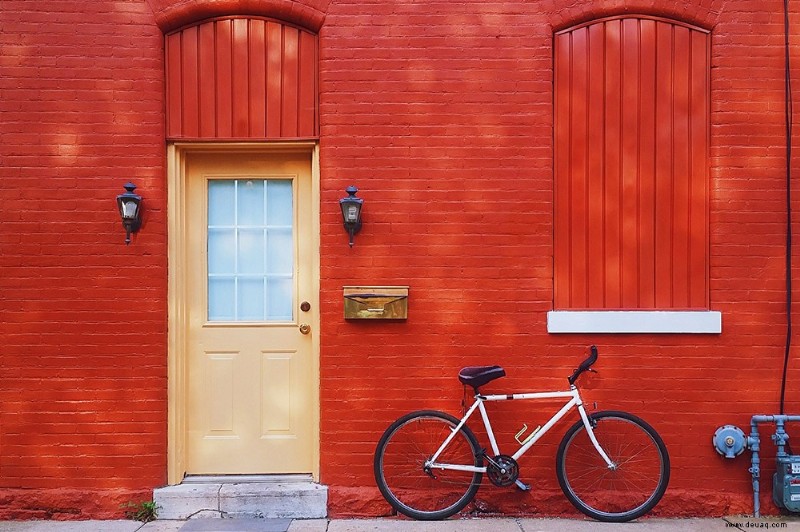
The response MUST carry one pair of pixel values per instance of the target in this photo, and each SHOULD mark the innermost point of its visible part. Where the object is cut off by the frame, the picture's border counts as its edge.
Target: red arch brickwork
(174, 14)
(703, 14)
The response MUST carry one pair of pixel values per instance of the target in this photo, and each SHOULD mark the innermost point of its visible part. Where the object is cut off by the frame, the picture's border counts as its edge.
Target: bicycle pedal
(521, 485)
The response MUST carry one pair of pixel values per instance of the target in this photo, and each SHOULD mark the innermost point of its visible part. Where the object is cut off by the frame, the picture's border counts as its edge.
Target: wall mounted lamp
(351, 212)
(129, 205)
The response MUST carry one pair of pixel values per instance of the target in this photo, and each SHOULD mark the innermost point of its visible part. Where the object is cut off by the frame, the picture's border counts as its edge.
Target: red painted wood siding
(241, 78)
(631, 165)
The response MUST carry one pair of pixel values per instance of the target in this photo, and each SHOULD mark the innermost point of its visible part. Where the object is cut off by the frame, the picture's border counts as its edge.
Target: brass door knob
(305, 328)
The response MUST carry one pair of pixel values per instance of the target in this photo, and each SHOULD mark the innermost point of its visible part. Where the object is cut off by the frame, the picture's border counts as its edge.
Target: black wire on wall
(788, 114)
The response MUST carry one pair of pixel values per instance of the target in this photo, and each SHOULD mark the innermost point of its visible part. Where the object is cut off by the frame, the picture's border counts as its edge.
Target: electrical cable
(788, 114)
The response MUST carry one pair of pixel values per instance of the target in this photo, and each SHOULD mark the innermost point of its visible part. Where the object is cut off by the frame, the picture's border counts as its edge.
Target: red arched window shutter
(241, 78)
(631, 165)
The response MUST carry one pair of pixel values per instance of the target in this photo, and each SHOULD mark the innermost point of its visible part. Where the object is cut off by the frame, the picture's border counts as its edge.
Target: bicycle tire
(622, 494)
(401, 454)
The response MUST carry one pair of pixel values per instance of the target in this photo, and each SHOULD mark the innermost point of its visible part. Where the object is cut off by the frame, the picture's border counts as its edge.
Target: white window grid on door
(250, 249)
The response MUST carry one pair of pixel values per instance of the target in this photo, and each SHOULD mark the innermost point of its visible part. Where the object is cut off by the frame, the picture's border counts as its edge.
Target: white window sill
(634, 321)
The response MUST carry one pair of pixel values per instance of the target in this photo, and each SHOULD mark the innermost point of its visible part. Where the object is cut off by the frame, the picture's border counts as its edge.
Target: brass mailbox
(376, 302)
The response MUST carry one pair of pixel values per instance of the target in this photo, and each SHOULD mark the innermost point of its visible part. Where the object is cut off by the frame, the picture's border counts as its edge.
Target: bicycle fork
(590, 431)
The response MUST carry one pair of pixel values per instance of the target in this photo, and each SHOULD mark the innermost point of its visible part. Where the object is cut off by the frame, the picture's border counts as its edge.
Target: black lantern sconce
(351, 212)
(129, 205)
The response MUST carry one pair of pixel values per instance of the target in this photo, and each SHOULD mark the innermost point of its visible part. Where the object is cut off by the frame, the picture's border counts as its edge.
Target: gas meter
(786, 483)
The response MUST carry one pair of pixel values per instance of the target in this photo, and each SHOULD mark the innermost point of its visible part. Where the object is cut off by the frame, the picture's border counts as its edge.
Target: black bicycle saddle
(477, 376)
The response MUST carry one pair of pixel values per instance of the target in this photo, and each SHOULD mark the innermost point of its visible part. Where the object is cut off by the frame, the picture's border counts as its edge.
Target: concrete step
(254, 497)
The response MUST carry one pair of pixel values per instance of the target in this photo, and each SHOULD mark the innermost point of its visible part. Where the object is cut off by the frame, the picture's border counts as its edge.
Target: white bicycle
(611, 465)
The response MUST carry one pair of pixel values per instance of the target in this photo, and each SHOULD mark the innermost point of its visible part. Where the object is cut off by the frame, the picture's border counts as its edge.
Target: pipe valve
(729, 441)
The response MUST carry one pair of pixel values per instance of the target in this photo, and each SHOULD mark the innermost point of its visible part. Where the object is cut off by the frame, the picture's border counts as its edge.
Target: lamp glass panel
(129, 208)
(352, 213)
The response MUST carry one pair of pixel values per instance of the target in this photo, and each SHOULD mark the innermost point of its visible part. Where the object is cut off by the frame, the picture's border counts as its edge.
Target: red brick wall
(441, 113)
(82, 316)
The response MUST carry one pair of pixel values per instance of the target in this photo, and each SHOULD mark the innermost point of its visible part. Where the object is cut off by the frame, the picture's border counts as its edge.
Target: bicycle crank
(502, 470)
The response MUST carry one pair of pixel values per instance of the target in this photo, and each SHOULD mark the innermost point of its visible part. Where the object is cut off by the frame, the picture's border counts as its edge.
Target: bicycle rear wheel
(626, 491)
(402, 478)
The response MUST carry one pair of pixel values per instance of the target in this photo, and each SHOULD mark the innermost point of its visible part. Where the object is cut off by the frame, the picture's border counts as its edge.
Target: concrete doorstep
(273, 500)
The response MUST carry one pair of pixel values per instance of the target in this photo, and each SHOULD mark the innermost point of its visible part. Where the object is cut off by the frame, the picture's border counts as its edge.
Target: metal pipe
(755, 461)
(753, 443)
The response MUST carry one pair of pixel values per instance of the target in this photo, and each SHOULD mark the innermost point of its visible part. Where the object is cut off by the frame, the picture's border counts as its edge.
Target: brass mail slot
(376, 302)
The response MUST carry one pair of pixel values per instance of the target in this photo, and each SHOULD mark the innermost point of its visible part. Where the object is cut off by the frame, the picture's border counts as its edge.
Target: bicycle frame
(574, 401)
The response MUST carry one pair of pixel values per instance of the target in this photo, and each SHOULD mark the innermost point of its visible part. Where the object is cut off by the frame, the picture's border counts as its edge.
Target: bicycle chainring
(502, 470)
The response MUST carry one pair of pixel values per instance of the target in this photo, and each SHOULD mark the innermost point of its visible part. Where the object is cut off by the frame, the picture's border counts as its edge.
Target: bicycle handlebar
(585, 365)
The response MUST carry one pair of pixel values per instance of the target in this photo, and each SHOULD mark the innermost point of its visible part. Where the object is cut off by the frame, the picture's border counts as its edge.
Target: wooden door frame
(177, 289)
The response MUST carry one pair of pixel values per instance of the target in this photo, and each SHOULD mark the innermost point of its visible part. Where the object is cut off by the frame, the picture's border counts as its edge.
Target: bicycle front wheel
(634, 483)
(410, 487)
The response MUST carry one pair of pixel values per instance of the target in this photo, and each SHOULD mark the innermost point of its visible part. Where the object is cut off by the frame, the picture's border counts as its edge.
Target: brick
(441, 113)
(82, 91)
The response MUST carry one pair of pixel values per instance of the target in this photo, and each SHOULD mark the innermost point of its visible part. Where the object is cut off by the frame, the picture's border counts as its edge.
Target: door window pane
(221, 303)
(279, 259)
(221, 194)
(279, 292)
(279, 202)
(250, 302)
(250, 200)
(222, 251)
(250, 250)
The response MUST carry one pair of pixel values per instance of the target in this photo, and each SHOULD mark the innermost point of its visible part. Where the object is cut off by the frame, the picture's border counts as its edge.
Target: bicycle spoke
(402, 477)
(632, 486)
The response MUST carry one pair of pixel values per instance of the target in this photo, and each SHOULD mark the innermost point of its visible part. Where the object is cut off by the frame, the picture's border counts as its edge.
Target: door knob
(305, 328)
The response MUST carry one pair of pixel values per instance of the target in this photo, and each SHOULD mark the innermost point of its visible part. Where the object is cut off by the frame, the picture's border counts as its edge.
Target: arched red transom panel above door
(241, 78)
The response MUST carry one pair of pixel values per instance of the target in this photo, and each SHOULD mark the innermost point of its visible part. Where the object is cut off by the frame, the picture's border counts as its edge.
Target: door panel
(249, 367)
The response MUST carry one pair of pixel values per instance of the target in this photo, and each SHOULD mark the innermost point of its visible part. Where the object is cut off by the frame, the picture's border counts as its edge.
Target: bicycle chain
(502, 470)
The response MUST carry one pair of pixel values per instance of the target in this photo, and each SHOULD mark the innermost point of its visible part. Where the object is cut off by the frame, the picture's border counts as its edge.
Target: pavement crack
(191, 515)
(732, 524)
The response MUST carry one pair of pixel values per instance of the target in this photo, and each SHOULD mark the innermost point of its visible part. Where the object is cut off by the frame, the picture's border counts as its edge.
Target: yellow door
(251, 311)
